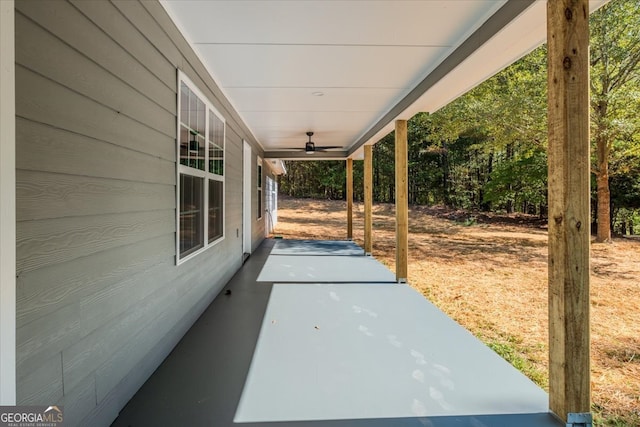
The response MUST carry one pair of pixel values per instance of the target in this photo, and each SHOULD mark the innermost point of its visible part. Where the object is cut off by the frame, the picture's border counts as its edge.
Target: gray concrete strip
(324, 268)
(316, 247)
(367, 351)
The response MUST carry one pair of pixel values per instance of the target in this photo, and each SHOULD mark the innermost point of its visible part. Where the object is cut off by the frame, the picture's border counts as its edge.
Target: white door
(246, 198)
(272, 204)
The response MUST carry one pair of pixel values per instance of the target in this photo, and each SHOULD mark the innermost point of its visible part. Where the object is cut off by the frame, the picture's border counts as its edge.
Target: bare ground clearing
(489, 273)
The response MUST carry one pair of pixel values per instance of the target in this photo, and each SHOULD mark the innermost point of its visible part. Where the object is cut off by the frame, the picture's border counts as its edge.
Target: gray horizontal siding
(76, 71)
(86, 355)
(46, 290)
(80, 401)
(76, 195)
(66, 109)
(100, 300)
(51, 149)
(139, 64)
(44, 384)
(44, 339)
(52, 241)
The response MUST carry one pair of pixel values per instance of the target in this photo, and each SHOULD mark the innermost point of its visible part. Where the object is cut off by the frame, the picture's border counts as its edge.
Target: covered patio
(306, 333)
(288, 344)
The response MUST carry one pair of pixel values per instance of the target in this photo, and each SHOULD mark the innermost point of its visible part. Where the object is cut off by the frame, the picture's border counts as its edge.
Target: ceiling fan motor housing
(310, 147)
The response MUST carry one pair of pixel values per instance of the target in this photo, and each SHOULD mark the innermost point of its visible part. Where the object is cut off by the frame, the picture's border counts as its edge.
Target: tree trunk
(602, 179)
(604, 217)
(445, 175)
(510, 153)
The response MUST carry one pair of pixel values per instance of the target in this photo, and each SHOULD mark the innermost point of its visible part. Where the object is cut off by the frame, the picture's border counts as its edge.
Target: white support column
(8, 206)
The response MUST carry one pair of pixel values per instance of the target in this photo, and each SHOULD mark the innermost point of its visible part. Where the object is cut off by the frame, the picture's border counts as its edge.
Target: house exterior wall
(100, 300)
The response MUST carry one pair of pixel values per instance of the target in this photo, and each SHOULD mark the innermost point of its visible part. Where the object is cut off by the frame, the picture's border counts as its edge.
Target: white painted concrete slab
(360, 351)
(323, 268)
(316, 247)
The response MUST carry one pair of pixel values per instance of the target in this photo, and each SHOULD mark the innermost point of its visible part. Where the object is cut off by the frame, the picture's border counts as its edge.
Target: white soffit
(270, 57)
(361, 59)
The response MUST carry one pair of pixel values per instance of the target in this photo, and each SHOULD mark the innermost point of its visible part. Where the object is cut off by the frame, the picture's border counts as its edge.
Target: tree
(615, 54)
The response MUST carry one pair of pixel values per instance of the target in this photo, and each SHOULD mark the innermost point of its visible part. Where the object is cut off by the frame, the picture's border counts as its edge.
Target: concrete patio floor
(316, 334)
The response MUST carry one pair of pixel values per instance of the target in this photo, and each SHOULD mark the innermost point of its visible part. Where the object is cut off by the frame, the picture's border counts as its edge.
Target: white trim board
(8, 206)
(247, 210)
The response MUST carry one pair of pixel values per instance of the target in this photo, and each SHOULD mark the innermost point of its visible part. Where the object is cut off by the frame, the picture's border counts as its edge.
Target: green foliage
(318, 179)
(521, 181)
(602, 419)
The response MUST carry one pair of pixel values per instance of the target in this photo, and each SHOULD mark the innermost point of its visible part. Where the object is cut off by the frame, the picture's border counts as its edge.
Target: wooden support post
(402, 202)
(350, 199)
(569, 215)
(368, 198)
(8, 206)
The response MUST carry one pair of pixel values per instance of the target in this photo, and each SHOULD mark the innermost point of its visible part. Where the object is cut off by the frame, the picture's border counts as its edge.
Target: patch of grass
(603, 419)
(468, 222)
(511, 350)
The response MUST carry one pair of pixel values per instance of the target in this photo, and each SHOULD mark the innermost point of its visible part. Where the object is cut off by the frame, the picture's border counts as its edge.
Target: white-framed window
(200, 172)
(259, 188)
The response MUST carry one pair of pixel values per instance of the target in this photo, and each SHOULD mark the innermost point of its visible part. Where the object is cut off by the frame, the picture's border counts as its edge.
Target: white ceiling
(372, 61)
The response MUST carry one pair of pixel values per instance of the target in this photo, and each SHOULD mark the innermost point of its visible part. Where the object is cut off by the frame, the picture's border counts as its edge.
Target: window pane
(201, 113)
(184, 145)
(259, 191)
(184, 104)
(199, 151)
(259, 176)
(216, 197)
(191, 149)
(220, 143)
(211, 157)
(193, 107)
(216, 144)
(192, 125)
(191, 214)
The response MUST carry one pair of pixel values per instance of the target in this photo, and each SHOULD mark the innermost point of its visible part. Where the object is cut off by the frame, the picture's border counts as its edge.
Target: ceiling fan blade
(326, 147)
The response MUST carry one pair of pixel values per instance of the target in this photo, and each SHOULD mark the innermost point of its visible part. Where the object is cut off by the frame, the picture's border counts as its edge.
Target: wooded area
(487, 150)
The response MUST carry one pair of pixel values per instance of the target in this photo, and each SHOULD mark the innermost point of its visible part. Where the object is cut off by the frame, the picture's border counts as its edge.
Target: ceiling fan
(310, 147)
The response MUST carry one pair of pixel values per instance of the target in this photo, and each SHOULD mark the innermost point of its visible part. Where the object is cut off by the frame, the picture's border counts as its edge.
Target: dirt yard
(489, 273)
